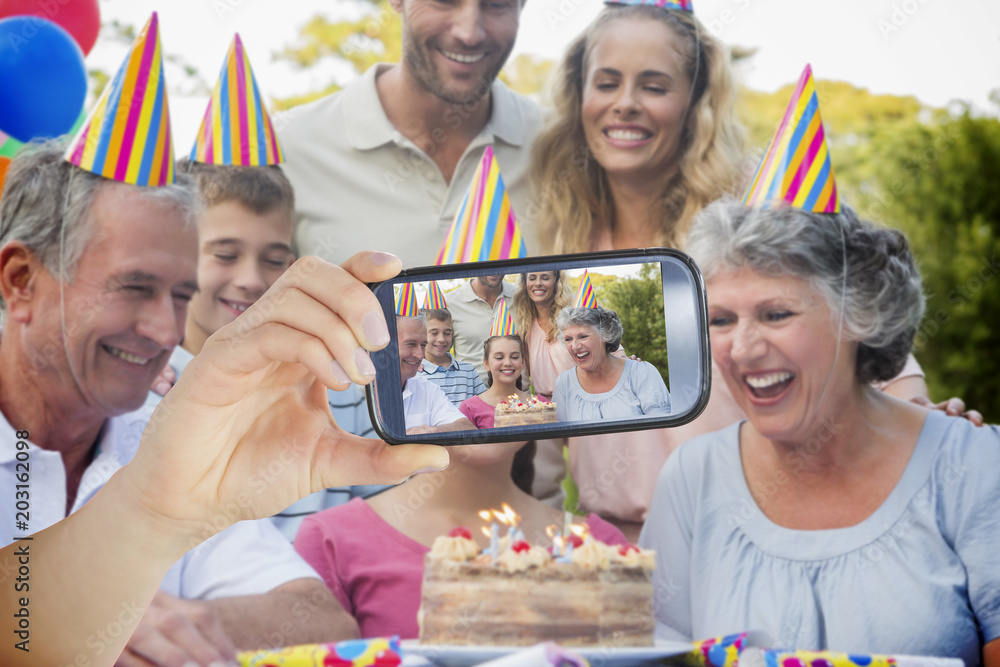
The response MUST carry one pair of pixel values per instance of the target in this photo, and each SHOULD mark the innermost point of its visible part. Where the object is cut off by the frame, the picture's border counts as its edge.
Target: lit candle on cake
(493, 534)
(556, 537)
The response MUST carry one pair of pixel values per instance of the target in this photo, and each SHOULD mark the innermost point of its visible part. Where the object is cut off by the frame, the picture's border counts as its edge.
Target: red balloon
(80, 18)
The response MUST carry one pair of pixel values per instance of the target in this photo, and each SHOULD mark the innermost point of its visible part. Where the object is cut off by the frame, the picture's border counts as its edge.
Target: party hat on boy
(485, 227)
(683, 5)
(127, 136)
(585, 297)
(236, 129)
(796, 168)
(406, 301)
(503, 325)
(434, 299)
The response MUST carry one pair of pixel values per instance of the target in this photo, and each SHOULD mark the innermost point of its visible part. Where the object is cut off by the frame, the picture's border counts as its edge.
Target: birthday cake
(592, 594)
(515, 412)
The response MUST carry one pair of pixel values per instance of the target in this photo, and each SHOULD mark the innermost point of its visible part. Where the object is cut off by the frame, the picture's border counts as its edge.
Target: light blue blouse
(914, 578)
(639, 392)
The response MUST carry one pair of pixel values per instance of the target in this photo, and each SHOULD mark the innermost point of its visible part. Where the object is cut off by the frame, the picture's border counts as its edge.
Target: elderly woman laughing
(837, 516)
(602, 385)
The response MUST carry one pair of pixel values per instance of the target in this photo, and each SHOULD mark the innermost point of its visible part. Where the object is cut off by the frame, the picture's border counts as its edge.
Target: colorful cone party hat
(406, 301)
(503, 325)
(434, 300)
(127, 136)
(585, 297)
(236, 129)
(796, 168)
(682, 5)
(485, 227)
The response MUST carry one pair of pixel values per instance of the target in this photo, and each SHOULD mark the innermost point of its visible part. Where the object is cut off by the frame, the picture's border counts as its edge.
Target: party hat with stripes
(796, 168)
(434, 300)
(503, 324)
(682, 5)
(484, 227)
(585, 297)
(127, 135)
(406, 301)
(236, 129)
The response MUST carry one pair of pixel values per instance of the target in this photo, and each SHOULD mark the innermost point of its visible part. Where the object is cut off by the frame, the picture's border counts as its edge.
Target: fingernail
(424, 471)
(162, 388)
(364, 362)
(373, 324)
(382, 258)
(339, 372)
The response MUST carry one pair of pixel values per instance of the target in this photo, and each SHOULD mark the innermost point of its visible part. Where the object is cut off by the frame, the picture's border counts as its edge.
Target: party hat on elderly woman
(683, 5)
(406, 301)
(796, 169)
(503, 324)
(127, 136)
(434, 299)
(484, 227)
(236, 129)
(585, 297)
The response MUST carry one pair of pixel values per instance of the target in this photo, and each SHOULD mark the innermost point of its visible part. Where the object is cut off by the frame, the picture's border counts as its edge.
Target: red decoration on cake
(520, 546)
(625, 548)
(575, 540)
(460, 531)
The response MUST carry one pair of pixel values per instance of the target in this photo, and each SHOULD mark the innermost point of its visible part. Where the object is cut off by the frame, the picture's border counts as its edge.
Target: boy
(244, 245)
(457, 379)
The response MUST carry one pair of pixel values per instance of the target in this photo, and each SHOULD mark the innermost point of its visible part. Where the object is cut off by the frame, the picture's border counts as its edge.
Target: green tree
(639, 304)
(937, 182)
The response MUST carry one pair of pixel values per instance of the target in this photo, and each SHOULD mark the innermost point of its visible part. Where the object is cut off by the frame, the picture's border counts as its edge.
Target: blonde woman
(540, 296)
(644, 133)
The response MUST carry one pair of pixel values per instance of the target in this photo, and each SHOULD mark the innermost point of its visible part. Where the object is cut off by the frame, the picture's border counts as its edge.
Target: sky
(935, 50)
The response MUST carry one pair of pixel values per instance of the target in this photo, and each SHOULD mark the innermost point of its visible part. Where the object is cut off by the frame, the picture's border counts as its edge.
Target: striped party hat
(434, 300)
(682, 5)
(503, 325)
(127, 136)
(406, 301)
(485, 227)
(585, 297)
(236, 129)
(796, 168)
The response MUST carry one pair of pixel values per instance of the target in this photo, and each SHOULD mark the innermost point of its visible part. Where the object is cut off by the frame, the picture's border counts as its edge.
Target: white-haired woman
(602, 385)
(836, 516)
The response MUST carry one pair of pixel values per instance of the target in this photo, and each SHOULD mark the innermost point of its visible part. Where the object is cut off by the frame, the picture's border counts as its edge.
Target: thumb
(355, 460)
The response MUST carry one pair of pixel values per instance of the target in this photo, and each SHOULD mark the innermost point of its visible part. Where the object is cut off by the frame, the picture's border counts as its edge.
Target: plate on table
(598, 656)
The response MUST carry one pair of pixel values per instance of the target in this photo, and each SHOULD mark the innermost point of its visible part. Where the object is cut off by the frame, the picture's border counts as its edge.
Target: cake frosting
(515, 412)
(591, 594)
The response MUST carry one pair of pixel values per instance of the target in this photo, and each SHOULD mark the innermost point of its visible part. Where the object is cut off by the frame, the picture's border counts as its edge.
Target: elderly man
(386, 161)
(95, 277)
(426, 407)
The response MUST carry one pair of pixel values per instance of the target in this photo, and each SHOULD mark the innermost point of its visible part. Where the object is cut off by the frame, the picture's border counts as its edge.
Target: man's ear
(19, 272)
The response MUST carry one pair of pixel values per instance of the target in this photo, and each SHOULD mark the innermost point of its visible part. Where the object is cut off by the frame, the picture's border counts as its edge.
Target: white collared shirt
(361, 185)
(424, 404)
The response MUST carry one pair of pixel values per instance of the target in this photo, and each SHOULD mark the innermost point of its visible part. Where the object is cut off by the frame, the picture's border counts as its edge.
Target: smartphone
(657, 376)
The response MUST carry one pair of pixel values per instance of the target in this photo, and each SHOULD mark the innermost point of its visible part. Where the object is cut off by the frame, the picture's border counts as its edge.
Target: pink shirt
(546, 360)
(374, 570)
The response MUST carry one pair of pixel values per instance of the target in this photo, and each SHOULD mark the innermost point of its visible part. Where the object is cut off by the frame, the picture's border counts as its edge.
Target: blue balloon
(43, 82)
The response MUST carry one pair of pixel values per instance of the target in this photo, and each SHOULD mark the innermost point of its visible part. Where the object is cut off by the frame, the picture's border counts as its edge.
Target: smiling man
(386, 161)
(426, 408)
(95, 279)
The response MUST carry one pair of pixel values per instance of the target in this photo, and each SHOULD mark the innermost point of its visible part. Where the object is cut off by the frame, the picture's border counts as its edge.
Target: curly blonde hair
(574, 203)
(525, 310)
